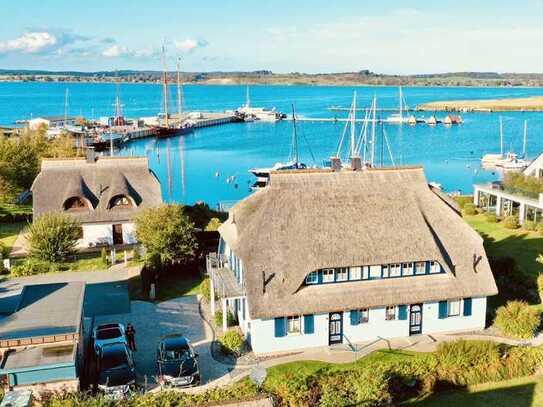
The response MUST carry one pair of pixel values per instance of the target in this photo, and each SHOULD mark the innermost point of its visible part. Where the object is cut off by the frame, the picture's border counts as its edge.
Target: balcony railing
(215, 261)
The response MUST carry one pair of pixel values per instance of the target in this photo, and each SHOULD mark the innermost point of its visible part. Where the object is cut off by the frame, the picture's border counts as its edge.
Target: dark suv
(116, 370)
(177, 363)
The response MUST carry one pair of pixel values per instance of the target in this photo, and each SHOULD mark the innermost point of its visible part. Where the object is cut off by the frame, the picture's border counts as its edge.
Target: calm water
(449, 155)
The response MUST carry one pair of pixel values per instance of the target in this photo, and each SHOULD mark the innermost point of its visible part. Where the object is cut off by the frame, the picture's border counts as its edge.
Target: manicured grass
(522, 245)
(13, 209)
(170, 285)
(9, 232)
(523, 392)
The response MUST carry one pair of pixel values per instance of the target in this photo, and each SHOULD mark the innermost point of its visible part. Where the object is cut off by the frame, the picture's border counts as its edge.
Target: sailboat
(398, 118)
(250, 113)
(167, 128)
(511, 160)
(263, 174)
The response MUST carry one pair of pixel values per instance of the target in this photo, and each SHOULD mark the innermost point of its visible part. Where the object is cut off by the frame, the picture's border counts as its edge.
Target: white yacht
(258, 113)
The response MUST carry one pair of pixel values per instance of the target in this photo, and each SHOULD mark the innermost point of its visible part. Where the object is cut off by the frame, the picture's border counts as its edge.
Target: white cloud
(118, 51)
(30, 43)
(190, 45)
(115, 51)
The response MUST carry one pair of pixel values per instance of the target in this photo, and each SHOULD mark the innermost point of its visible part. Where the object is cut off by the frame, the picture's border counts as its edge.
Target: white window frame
(377, 269)
(343, 272)
(423, 263)
(364, 315)
(395, 270)
(293, 321)
(326, 273)
(408, 266)
(450, 309)
(435, 267)
(390, 316)
(355, 273)
(385, 271)
(312, 278)
(365, 272)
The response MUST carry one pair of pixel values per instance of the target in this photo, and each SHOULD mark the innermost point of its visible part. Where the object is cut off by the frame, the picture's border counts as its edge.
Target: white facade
(98, 234)
(264, 340)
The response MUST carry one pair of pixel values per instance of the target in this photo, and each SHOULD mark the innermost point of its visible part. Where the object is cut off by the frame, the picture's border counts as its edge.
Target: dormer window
(75, 203)
(120, 202)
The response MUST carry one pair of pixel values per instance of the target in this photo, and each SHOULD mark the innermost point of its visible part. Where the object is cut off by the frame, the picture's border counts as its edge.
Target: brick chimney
(356, 163)
(335, 163)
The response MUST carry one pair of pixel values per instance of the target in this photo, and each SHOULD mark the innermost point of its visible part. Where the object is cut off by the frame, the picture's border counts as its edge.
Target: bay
(200, 164)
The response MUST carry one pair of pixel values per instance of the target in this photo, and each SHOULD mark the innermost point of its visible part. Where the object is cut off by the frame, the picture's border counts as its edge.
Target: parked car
(177, 363)
(108, 333)
(116, 370)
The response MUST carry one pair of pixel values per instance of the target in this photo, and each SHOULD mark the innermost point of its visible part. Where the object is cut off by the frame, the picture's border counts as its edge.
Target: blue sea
(198, 167)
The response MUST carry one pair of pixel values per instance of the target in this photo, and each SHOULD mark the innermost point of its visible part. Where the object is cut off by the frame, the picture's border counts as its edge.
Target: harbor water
(212, 164)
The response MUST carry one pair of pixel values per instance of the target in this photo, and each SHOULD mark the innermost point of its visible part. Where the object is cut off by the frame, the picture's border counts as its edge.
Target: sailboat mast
(165, 86)
(401, 105)
(373, 131)
(247, 97)
(525, 139)
(66, 107)
(179, 100)
(294, 137)
(353, 125)
(501, 136)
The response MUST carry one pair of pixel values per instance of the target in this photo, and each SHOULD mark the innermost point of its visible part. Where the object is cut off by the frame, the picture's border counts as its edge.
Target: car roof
(108, 326)
(113, 348)
(173, 342)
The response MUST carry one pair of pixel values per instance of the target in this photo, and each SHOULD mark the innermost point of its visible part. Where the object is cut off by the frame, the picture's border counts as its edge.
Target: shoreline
(522, 104)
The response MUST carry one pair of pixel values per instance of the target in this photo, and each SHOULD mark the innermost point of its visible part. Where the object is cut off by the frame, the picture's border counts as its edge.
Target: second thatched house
(320, 258)
(105, 194)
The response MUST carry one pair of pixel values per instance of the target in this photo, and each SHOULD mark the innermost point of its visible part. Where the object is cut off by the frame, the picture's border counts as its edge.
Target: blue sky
(283, 36)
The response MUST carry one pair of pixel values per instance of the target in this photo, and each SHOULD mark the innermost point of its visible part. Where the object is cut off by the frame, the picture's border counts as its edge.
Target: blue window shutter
(402, 312)
(467, 307)
(309, 324)
(319, 276)
(355, 317)
(442, 309)
(280, 330)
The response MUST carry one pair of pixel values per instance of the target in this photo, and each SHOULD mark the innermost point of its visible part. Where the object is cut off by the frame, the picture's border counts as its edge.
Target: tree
(167, 235)
(213, 225)
(53, 237)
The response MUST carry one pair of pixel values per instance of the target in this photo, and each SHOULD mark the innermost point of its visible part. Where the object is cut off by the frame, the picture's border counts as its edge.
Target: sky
(386, 36)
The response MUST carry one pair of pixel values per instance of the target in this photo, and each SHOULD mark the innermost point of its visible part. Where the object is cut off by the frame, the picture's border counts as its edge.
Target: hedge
(511, 222)
(517, 320)
(232, 342)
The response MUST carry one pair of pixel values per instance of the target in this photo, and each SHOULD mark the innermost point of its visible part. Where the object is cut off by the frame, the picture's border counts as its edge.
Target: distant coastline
(526, 104)
(361, 78)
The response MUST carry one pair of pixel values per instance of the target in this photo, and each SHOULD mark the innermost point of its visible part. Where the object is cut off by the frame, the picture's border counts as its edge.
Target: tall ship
(168, 127)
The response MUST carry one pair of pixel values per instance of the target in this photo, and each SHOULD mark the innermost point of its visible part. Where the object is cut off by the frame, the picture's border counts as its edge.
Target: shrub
(232, 342)
(463, 200)
(103, 255)
(540, 286)
(539, 228)
(32, 267)
(469, 209)
(467, 362)
(517, 319)
(491, 218)
(511, 222)
(53, 237)
(213, 225)
(205, 289)
(529, 226)
(136, 257)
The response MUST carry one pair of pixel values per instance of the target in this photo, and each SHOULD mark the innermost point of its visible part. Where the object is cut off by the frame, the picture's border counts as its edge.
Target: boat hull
(165, 132)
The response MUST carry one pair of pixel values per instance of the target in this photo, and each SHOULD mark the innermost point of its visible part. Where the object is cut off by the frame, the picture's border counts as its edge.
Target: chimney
(356, 163)
(91, 155)
(335, 163)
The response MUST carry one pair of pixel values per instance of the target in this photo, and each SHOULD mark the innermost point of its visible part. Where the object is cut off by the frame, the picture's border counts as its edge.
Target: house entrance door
(335, 323)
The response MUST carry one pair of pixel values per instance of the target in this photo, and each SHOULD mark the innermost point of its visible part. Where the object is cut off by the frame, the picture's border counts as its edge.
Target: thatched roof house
(88, 189)
(307, 221)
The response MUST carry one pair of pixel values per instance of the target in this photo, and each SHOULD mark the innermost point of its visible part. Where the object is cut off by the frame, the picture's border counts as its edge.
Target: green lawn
(522, 245)
(9, 232)
(170, 285)
(523, 392)
(13, 209)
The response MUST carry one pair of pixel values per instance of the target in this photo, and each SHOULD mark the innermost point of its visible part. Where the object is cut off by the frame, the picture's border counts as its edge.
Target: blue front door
(335, 328)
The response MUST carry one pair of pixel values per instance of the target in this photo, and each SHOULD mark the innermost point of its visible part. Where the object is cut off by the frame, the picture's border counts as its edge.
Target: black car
(116, 370)
(177, 363)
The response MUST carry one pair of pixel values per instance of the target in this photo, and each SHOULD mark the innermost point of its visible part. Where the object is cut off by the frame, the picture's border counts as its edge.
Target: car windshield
(114, 360)
(176, 354)
(108, 333)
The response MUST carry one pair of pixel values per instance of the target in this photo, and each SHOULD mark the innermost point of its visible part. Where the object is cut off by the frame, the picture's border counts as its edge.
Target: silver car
(108, 333)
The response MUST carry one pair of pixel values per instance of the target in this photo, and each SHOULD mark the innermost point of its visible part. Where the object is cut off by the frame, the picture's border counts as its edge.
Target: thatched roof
(97, 182)
(305, 221)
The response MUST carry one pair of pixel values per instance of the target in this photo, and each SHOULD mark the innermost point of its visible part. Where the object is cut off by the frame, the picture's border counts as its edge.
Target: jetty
(528, 104)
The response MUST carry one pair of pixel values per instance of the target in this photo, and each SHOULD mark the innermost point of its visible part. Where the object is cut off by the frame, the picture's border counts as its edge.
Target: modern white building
(105, 194)
(319, 258)
(51, 122)
(497, 198)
